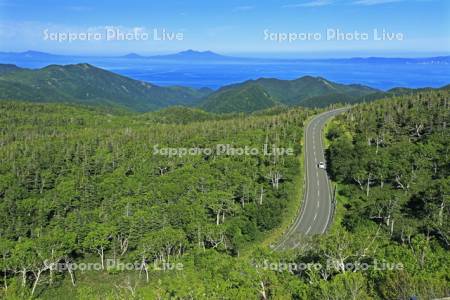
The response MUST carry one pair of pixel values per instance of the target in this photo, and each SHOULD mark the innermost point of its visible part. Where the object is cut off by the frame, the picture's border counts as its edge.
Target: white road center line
(309, 228)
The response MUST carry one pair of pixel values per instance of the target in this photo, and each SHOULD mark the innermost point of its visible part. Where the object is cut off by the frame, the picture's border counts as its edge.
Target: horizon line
(252, 55)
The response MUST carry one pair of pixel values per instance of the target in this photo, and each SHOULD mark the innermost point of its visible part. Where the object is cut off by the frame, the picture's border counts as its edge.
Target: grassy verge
(325, 140)
(292, 209)
(341, 202)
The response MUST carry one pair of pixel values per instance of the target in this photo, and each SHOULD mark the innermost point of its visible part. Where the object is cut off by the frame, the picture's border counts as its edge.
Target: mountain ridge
(87, 84)
(271, 92)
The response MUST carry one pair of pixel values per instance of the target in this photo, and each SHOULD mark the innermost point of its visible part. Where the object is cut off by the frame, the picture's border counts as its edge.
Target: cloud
(374, 2)
(314, 3)
(318, 3)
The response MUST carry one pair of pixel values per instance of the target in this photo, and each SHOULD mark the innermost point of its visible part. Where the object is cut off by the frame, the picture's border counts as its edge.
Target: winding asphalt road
(316, 212)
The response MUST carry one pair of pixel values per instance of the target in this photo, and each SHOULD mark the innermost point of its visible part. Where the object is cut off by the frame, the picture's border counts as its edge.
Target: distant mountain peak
(308, 77)
(262, 93)
(86, 66)
(198, 54)
(190, 51)
(132, 55)
(88, 84)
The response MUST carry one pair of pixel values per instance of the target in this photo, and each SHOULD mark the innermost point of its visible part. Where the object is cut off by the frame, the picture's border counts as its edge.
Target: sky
(333, 28)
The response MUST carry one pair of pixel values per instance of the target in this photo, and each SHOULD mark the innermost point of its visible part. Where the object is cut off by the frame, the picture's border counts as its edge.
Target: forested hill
(89, 85)
(8, 68)
(267, 92)
(396, 92)
(247, 98)
(86, 84)
(80, 185)
(391, 159)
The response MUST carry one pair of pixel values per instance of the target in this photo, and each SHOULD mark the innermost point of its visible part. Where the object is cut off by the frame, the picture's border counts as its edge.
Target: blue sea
(383, 74)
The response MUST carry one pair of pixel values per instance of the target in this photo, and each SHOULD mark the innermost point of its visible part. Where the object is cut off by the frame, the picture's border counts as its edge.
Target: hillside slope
(390, 162)
(8, 68)
(248, 98)
(305, 91)
(84, 83)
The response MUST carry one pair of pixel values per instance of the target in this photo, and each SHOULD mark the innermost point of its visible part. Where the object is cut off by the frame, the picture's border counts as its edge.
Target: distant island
(194, 55)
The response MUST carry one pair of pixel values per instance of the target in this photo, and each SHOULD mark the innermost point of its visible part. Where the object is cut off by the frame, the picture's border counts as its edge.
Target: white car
(321, 165)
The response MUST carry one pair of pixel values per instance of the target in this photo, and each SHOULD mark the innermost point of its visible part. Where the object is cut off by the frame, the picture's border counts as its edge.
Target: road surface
(317, 209)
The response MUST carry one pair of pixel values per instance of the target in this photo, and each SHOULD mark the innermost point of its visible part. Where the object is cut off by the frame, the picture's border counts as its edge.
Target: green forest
(83, 186)
(89, 85)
